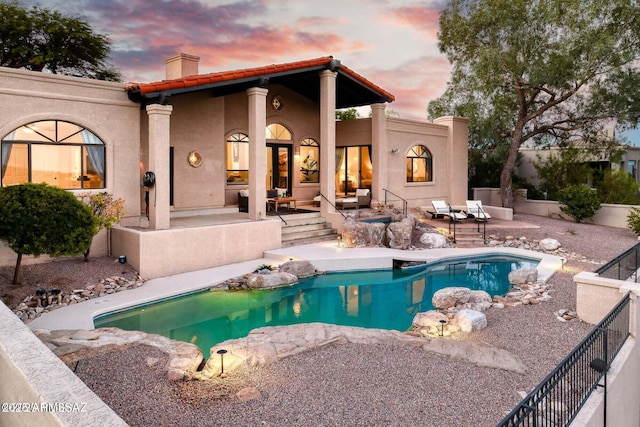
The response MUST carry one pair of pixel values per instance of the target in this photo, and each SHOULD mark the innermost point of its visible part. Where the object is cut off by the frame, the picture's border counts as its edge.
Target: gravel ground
(362, 385)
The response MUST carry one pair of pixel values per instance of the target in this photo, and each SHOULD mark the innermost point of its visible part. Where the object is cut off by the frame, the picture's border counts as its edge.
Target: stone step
(309, 240)
(294, 222)
(311, 233)
(293, 229)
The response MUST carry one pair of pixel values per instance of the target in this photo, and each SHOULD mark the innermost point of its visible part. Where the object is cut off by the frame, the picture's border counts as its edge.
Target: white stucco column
(380, 151)
(257, 152)
(327, 139)
(159, 143)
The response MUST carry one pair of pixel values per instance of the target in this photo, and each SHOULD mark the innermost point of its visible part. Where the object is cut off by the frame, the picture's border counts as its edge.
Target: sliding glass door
(353, 169)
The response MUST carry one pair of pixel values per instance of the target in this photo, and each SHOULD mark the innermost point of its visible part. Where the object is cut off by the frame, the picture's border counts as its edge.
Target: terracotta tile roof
(222, 77)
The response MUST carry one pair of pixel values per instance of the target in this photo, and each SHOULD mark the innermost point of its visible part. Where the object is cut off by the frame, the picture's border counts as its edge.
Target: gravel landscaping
(374, 384)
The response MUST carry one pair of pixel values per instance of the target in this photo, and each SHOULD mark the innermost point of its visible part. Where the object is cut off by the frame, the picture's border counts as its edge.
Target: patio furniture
(281, 201)
(474, 209)
(442, 209)
(362, 199)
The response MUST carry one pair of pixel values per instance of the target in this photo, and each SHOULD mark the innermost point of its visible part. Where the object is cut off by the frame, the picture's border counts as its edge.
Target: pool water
(385, 299)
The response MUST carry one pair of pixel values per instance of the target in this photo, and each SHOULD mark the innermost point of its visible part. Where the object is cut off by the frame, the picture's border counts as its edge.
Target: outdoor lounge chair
(361, 200)
(474, 208)
(443, 210)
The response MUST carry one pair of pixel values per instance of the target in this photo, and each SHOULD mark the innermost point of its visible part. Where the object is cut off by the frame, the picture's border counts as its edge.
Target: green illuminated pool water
(385, 299)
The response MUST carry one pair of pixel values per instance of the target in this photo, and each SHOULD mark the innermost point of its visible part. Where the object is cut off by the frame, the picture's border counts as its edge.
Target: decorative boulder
(399, 234)
(549, 244)
(430, 321)
(478, 301)
(470, 320)
(523, 275)
(299, 268)
(450, 297)
(271, 280)
(357, 234)
(434, 240)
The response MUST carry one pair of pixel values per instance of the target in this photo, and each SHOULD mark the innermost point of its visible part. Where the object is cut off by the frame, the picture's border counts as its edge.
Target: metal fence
(623, 267)
(558, 398)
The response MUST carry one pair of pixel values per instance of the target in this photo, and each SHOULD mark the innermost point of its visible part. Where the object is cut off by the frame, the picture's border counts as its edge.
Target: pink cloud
(423, 18)
(413, 83)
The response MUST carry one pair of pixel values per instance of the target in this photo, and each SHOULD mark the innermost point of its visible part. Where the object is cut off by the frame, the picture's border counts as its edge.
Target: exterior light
(221, 352)
(339, 240)
(122, 259)
(195, 159)
(442, 323)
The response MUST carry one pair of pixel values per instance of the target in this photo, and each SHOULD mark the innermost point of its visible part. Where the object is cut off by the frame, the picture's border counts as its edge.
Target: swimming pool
(385, 299)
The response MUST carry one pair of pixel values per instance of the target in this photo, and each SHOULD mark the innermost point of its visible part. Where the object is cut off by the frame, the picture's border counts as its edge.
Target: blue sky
(393, 43)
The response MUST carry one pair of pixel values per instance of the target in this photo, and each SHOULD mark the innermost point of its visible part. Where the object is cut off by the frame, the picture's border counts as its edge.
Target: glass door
(353, 169)
(278, 166)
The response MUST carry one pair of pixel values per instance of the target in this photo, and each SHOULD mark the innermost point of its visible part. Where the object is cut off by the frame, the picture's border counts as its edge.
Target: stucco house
(208, 137)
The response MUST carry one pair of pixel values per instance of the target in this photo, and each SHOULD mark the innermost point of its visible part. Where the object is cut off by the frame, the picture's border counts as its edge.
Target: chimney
(181, 65)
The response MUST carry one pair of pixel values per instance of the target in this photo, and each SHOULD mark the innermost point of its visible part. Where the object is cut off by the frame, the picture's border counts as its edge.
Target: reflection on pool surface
(385, 299)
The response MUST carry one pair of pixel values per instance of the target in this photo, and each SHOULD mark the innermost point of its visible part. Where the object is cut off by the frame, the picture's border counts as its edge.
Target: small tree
(579, 202)
(618, 187)
(107, 211)
(567, 167)
(40, 219)
(633, 220)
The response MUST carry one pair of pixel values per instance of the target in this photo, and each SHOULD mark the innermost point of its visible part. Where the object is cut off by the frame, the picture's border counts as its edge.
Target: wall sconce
(195, 159)
(395, 151)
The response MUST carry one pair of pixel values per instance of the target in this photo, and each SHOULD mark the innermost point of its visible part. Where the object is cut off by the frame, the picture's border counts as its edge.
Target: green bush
(579, 202)
(40, 219)
(618, 187)
(633, 220)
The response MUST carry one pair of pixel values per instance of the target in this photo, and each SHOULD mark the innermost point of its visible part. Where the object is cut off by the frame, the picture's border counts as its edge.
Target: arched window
(55, 152)
(278, 131)
(309, 161)
(238, 159)
(419, 164)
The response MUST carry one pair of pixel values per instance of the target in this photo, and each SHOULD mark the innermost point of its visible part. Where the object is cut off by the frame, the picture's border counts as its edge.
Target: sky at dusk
(393, 43)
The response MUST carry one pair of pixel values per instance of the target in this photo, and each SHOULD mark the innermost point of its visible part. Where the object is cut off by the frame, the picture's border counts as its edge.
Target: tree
(107, 211)
(568, 167)
(618, 187)
(40, 39)
(41, 219)
(540, 72)
(348, 114)
(579, 202)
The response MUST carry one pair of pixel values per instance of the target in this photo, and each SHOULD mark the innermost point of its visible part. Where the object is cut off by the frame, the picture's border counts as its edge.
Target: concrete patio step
(468, 236)
(302, 229)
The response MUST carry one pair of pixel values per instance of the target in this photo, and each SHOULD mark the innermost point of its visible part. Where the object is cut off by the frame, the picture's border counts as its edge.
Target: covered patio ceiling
(352, 90)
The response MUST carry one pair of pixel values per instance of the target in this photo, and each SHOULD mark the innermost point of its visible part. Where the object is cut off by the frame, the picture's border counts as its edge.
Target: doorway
(353, 169)
(279, 166)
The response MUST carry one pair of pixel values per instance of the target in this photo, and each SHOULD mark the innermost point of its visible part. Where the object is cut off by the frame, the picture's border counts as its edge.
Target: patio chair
(474, 208)
(442, 209)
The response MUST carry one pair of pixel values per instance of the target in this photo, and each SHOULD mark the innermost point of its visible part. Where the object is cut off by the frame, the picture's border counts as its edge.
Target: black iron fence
(622, 267)
(558, 398)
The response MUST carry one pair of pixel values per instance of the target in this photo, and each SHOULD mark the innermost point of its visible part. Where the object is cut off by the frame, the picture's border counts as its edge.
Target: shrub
(618, 187)
(107, 211)
(41, 219)
(579, 202)
(633, 220)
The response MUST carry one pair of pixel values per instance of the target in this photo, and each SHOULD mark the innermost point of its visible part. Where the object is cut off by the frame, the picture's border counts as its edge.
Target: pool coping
(326, 256)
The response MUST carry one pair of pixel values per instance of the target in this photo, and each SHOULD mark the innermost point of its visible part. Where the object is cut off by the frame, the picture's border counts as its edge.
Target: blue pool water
(385, 299)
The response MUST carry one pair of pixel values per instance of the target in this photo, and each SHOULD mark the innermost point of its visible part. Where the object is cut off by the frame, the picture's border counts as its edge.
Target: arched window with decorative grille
(55, 152)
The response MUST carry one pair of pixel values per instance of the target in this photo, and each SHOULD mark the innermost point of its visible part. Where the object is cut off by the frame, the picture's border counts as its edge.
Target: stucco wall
(102, 107)
(608, 214)
(166, 252)
(32, 374)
